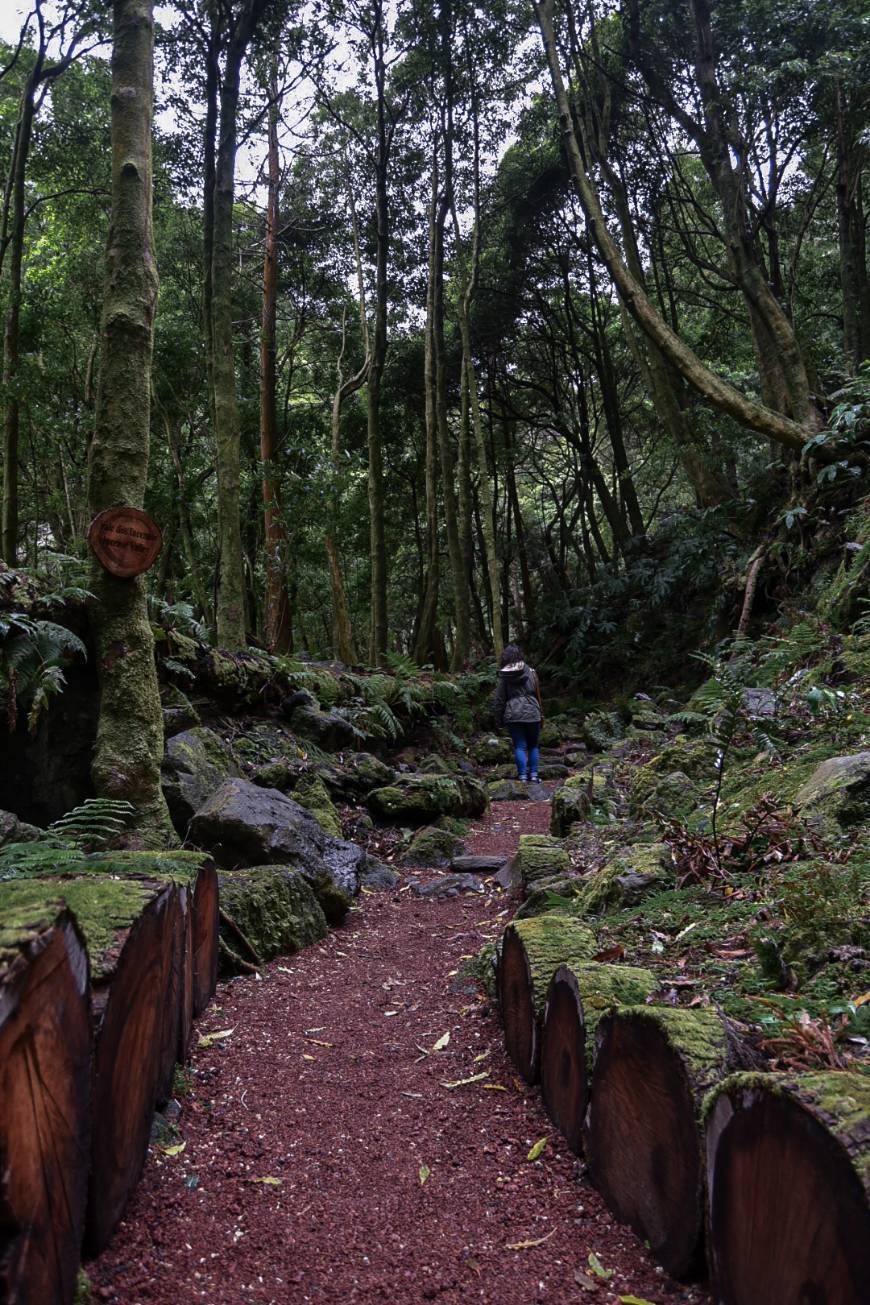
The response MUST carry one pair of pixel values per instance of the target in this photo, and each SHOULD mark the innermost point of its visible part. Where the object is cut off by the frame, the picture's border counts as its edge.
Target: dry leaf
(424, 1171)
(538, 1148)
(209, 1038)
(463, 1082)
(174, 1150)
(442, 1042)
(269, 1181)
(494, 1087)
(305, 1056)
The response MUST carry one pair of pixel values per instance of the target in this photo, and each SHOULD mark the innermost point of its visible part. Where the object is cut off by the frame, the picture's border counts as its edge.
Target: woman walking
(517, 706)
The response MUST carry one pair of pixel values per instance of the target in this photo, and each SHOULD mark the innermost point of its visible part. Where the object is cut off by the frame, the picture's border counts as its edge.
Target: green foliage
(33, 655)
(95, 823)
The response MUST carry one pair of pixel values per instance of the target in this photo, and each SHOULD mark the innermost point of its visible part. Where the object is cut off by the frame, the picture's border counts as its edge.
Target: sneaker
(533, 779)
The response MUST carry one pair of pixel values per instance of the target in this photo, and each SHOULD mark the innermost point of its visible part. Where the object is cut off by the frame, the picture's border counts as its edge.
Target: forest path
(308, 1129)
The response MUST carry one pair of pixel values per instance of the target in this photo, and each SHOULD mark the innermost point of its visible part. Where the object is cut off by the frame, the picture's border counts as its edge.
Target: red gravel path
(323, 1084)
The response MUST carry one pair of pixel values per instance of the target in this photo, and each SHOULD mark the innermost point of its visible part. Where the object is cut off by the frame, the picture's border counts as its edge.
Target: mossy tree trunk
(129, 746)
(426, 640)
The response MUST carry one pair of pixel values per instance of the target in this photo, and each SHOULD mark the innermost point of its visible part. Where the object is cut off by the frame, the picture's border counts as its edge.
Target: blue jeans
(525, 735)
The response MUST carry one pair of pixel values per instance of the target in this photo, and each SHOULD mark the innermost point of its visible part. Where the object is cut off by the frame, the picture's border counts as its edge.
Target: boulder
(492, 750)
(513, 790)
(760, 704)
(365, 772)
(570, 804)
(276, 909)
(13, 830)
(378, 876)
(243, 825)
(838, 789)
(195, 764)
(432, 847)
(627, 877)
(328, 729)
(601, 729)
(421, 799)
(479, 865)
(561, 893)
(311, 792)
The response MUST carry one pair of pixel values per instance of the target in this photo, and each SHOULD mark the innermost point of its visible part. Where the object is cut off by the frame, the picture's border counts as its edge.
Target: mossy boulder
(432, 847)
(365, 772)
(673, 794)
(508, 790)
(645, 715)
(243, 825)
(570, 804)
(195, 764)
(601, 729)
(626, 878)
(13, 830)
(538, 857)
(312, 793)
(435, 764)
(561, 895)
(492, 750)
(838, 790)
(421, 799)
(275, 907)
(328, 729)
(282, 773)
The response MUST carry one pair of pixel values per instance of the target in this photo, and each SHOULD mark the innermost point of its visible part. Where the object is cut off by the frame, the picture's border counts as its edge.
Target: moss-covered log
(643, 1135)
(45, 1120)
(577, 998)
(788, 1181)
(272, 909)
(531, 951)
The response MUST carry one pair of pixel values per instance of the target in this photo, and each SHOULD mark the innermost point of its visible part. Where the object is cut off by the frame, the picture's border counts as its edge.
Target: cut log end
(642, 1136)
(517, 1007)
(789, 1214)
(45, 1057)
(204, 926)
(563, 1058)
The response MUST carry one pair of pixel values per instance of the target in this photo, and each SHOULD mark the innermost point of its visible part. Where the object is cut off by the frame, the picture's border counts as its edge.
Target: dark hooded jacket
(516, 697)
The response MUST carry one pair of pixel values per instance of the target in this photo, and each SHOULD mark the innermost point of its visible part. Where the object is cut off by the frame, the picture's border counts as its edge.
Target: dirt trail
(324, 1160)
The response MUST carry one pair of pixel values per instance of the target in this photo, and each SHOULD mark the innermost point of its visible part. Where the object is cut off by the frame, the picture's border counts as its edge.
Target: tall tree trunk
(425, 641)
(129, 746)
(377, 541)
(277, 617)
(12, 415)
(231, 583)
(851, 231)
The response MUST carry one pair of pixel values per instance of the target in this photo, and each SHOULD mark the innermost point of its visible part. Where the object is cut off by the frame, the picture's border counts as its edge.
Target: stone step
(480, 865)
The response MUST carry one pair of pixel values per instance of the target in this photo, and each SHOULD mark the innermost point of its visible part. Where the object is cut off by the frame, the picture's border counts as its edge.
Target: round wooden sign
(125, 541)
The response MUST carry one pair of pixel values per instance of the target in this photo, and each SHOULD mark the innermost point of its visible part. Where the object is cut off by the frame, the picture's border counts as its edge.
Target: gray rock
(365, 772)
(379, 876)
(431, 847)
(13, 830)
(420, 799)
(328, 729)
(569, 806)
(760, 704)
(243, 825)
(481, 865)
(513, 790)
(449, 886)
(195, 764)
(839, 787)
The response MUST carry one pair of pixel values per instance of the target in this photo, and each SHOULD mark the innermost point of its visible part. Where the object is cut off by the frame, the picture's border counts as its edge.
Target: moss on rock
(421, 799)
(539, 857)
(630, 874)
(275, 906)
(311, 793)
(432, 847)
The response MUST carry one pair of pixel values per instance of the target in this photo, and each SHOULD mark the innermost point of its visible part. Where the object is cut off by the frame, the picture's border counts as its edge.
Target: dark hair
(511, 653)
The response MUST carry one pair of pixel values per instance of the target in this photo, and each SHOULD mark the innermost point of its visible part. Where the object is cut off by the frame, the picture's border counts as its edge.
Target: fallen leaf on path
(442, 1042)
(538, 1148)
(305, 1056)
(318, 1043)
(598, 1268)
(483, 1055)
(174, 1150)
(269, 1181)
(527, 1246)
(463, 1082)
(634, 1300)
(583, 1280)
(209, 1038)
(494, 1087)
(425, 1171)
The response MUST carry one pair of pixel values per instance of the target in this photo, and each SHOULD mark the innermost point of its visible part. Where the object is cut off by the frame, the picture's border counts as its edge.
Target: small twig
(235, 959)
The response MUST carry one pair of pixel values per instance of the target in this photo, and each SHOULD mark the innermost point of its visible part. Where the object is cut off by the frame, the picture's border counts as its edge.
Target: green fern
(32, 657)
(96, 822)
